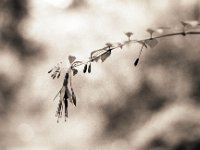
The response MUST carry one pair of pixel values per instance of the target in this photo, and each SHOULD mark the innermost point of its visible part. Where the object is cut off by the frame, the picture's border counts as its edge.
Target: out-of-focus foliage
(17, 52)
(15, 45)
(153, 106)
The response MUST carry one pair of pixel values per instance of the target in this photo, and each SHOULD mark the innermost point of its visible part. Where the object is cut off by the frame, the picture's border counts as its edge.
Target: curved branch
(66, 92)
(138, 41)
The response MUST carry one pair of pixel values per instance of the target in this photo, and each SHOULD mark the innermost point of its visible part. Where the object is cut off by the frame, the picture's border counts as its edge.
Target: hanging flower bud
(136, 61)
(85, 68)
(59, 111)
(89, 68)
(66, 79)
(73, 97)
(66, 108)
(58, 75)
(54, 75)
(50, 71)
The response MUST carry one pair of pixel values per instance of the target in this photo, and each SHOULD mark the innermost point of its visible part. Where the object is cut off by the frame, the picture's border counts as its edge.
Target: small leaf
(94, 52)
(162, 29)
(151, 42)
(71, 59)
(58, 75)
(129, 34)
(89, 68)
(120, 45)
(75, 71)
(109, 45)
(50, 71)
(151, 31)
(85, 68)
(192, 23)
(95, 55)
(136, 61)
(97, 58)
(184, 23)
(105, 55)
(159, 30)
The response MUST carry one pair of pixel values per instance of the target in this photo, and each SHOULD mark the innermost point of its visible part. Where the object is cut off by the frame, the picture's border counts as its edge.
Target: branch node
(184, 33)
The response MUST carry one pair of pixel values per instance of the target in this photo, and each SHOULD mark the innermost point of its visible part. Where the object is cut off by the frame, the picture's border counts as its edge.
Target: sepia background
(154, 106)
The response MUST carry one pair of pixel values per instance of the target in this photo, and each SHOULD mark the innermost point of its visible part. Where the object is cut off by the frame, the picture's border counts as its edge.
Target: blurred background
(155, 106)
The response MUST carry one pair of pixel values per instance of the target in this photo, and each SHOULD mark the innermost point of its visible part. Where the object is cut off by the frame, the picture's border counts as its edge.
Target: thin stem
(57, 94)
(141, 51)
